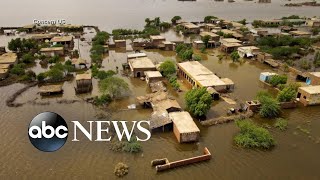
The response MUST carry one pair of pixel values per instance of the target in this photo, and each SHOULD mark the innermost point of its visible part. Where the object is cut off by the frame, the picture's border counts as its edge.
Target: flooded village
(226, 98)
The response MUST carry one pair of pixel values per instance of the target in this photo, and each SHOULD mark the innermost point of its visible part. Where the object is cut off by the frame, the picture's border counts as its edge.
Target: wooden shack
(184, 127)
(153, 76)
(83, 83)
(309, 95)
(48, 90)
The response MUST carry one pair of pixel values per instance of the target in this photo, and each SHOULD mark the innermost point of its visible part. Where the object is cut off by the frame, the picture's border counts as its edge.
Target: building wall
(141, 71)
(176, 133)
(314, 80)
(307, 99)
(120, 44)
(189, 137)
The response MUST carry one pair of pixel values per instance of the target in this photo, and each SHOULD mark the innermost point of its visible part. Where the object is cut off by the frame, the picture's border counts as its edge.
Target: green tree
(113, 86)
(235, 56)
(278, 79)
(27, 58)
(270, 107)
(208, 18)
(55, 74)
(18, 69)
(287, 94)
(198, 101)
(168, 68)
(175, 19)
(252, 136)
(206, 40)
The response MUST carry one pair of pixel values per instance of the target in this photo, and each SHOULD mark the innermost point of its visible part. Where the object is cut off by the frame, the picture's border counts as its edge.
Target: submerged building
(309, 95)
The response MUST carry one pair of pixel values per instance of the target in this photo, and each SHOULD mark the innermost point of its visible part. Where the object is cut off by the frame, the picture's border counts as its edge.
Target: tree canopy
(198, 101)
(168, 68)
(113, 86)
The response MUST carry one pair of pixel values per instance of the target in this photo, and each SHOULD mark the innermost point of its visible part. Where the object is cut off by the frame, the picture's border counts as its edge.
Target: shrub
(102, 100)
(252, 136)
(18, 69)
(198, 101)
(27, 58)
(121, 169)
(168, 68)
(269, 106)
(281, 124)
(287, 94)
(41, 76)
(105, 74)
(54, 59)
(196, 57)
(114, 86)
(278, 79)
(305, 64)
(132, 146)
(235, 56)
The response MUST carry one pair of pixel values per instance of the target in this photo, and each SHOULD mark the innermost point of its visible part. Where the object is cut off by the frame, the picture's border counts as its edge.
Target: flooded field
(132, 13)
(294, 156)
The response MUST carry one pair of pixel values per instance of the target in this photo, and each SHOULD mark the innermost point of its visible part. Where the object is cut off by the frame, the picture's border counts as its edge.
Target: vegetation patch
(198, 101)
(281, 124)
(121, 169)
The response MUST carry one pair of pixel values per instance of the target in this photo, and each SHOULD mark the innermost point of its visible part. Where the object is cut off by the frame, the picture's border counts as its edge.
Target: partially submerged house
(9, 58)
(136, 55)
(263, 56)
(79, 63)
(229, 84)
(265, 76)
(313, 22)
(229, 44)
(48, 90)
(190, 28)
(83, 83)
(313, 78)
(198, 44)
(300, 34)
(121, 43)
(52, 51)
(139, 66)
(198, 75)
(157, 40)
(167, 45)
(43, 37)
(184, 127)
(248, 51)
(213, 36)
(309, 95)
(153, 76)
(66, 41)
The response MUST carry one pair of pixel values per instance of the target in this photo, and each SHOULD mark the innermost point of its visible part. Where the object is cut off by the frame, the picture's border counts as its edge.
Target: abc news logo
(48, 131)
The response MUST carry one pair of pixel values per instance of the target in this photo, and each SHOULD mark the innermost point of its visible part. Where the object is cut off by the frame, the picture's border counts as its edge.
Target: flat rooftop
(4, 71)
(42, 36)
(61, 39)
(190, 25)
(51, 49)
(50, 88)
(244, 48)
(201, 74)
(153, 74)
(85, 76)
(184, 122)
(230, 40)
(4, 66)
(317, 74)
(211, 34)
(157, 37)
(142, 62)
(136, 55)
(8, 58)
(299, 33)
(311, 89)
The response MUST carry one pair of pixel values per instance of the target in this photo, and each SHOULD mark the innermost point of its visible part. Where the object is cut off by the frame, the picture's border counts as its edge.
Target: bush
(270, 107)
(55, 74)
(54, 59)
(168, 68)
(132, 146)
(198, 101)
(18, 69)
(184, 52)
(196, 57)
(235, 56)
(27, 58)
(114, 86)
(105, 74)
(287, 94)
(281, 124)
(277, 79)
(121, 169)
(102, 100)
(252, 136)
(41, 76)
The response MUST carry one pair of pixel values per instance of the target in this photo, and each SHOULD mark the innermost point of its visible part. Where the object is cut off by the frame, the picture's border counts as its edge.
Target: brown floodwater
(294, 157)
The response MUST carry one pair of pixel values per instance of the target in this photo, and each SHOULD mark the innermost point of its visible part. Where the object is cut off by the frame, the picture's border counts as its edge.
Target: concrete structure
(198, 44)
(300, 34)
(52, 51)
(234, 34)
(248, 51)
(167, 46)
(9, 58)
(263, 56)
(309, 95)
(229, 84)
(157, 40)
(83, 83)
(120, 43)
(43, 37)
(184, 127)
(66, 41)
(136, 55)
(313, 22)
(213, 36)
(48, 90)
(140, 65)
(199, 76)
(78, 63)
(190, 28)
(265, 76)
(153, 76)
(229, 44)
(313, 78)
